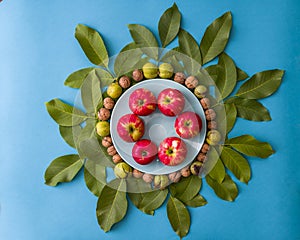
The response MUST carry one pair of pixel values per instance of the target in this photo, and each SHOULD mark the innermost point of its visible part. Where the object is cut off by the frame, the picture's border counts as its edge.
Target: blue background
(38, 51)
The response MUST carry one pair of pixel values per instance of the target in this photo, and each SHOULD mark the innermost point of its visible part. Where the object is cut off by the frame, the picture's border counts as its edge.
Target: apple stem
(144, 153)
(131, 129)
(169, 151)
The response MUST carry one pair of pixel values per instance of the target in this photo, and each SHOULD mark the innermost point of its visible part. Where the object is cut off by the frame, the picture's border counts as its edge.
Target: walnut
(106, 142)
(205, 148)
(185, 172)
(210, 114)
(175, 177)
(103, 114)
(124, 82)
(148, 178)
(117, 158)
(137, 174)
(212, 125)
(191, 82)
(111, 150)
(179, 77)
(108, 103)
(201, 157)
(137, 75)
(205, 103)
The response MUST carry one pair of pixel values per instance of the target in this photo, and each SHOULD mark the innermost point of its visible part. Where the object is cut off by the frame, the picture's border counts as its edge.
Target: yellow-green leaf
(70, 134)
(145, 40)
(148, 202)
(178, 216)
(261, 85)
(250, 146)
(226, 79)
(64, 114)
(250, 109)
(187, 188)
(216, 37)
(169, 25)
(92, 45)
(213, 71)
(63, 169)
(197, 201)
(218, 172)
(112, 204)
(227, 190)
(105, 77)
(228, 122)
(126, 61)
(91, 92)
(237, 164)
(94, 176)
(91, 149)
(241, 75)
(75, 79)
(189, 46)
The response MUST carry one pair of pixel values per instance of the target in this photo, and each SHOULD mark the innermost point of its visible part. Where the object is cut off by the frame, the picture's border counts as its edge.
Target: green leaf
(169, 54)
(137, 188)
(261, 85)
(218, 172)
(92, 150)
(226, 80)
(94, 176)
(105, 77)
(250, 146)
(70, 134)
(64, 114)
(75, 79)
(237, 164)
(250, 109)
(241, 75)
(92, 45)
(88, 131)
(231, 114)
(197, 201)
(144, 198)
(212, 158)
(227, 190)
(145, 39)
(112, 204)
(179, 217)
(63, 169)
(126, 61)
(187, 188)
(189, 46)
(216, 37)
(129, 46)
(169, 25)
(91, 93)
(213, 71)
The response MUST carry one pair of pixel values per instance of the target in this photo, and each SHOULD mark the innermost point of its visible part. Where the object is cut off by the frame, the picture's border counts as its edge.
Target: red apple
(172, 151)
(144, 151)
(130, 128)
(142, 102)
(170, 102)
(188, 125)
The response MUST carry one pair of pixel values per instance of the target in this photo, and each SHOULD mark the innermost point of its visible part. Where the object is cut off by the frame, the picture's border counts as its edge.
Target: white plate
(157, 126)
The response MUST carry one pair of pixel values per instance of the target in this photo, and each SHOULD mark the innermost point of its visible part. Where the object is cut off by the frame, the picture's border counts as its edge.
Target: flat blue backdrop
(38, 51)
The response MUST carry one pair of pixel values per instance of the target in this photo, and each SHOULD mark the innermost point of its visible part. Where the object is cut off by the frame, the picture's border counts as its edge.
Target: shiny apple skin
(144, 151)
(170, 102)
(188, 125)
(142, 102)
(172, 151)
(130, 128)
